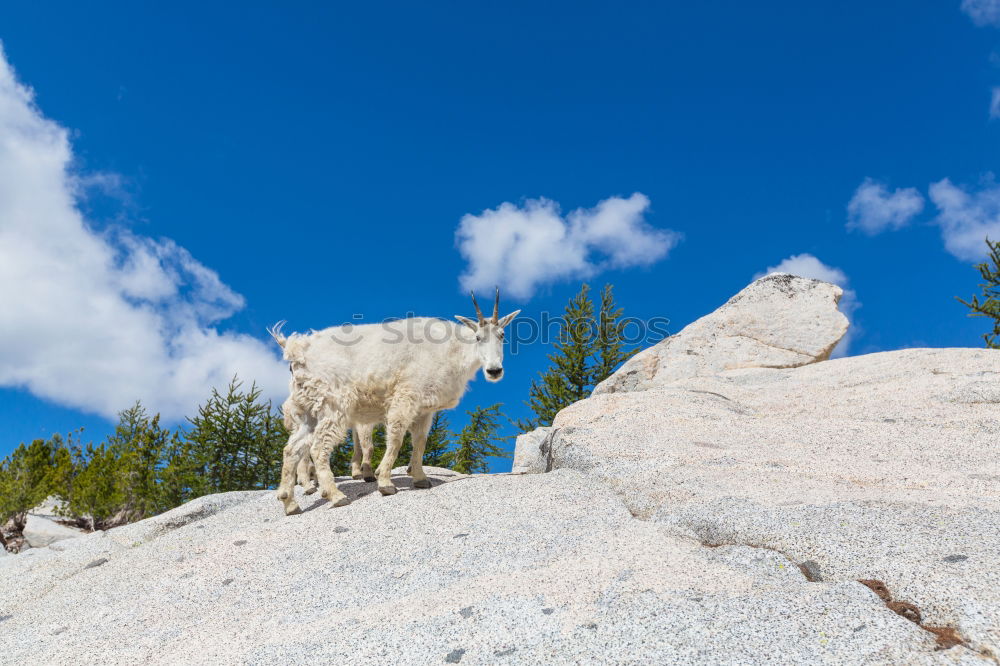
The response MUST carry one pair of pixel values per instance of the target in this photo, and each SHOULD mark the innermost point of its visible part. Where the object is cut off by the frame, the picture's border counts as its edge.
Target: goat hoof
(387, 490)
(422, 483)
(292, 510)
(369, 479)
(343, 501)
(310, 490)
(358, 476)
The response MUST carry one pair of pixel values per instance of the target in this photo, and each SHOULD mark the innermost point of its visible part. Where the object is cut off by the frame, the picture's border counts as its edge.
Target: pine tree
(476, 442)
(178, 479)
(26, 480)
(569, 376)
(609, 348)
(588, 350)
(438, 442)
(97, 497)
(237, 439)
(136, 449)
(65, 469)
(990, 305)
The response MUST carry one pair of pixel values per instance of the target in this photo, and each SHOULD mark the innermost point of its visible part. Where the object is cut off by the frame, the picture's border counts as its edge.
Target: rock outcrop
(726, 516)
(882, 466)
(40, 531)
(778, 321)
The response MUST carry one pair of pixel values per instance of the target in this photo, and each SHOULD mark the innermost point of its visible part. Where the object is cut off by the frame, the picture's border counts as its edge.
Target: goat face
(489, 338)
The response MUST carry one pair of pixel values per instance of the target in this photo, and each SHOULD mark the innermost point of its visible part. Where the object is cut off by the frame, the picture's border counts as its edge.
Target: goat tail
(276, 333)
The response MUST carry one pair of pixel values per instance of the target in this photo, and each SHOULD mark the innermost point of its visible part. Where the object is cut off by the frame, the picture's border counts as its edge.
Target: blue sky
(189, 173)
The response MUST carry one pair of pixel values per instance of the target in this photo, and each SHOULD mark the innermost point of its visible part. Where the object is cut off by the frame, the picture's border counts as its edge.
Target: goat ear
(506, 320)
(474, 325)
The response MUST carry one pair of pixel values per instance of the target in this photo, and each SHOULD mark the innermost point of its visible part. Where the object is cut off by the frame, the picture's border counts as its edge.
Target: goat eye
(479, 338)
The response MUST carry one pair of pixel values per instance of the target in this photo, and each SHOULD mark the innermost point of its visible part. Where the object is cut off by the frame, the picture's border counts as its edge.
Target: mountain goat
(295, 418)
(398, 373)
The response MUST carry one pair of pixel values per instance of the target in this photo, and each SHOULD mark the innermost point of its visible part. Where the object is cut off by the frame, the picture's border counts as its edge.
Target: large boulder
(530, 454)
(882, 466)
(778, 321)
(40, 531)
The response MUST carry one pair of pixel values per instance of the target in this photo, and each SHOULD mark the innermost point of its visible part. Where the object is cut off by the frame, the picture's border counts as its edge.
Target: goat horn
(496, 307)
(479, 313)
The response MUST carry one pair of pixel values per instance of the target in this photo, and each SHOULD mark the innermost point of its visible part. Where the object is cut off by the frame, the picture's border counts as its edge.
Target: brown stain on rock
(945, 637)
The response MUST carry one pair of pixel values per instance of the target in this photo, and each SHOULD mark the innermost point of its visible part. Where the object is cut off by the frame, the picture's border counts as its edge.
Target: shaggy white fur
(398, 373)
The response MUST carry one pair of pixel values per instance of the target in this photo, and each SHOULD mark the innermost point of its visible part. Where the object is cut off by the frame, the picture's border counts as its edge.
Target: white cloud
(522, 247)
(967, 218)
(808, 266)
(983, 12)
(995, 102)
(96, 320)
(873, 209)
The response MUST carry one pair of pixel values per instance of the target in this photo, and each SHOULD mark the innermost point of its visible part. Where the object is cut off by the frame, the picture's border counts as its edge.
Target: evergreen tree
(64, 471)
(438, 442)
(135, 450)
(26, 480)
(569, 375)
(589, 348)
(66, 466)
(237, 439)
(476, 442)
(178, 477)
(97, 497)
(990, 305)
(609, 348)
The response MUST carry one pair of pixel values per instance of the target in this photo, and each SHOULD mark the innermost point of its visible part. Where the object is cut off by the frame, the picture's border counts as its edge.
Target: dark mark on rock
(187, 574)
(241, 542)
(878, 587)
(906, 609)
(955, 558)
(810, 570)
(454, 656)
(96, 563)
(504, 653)
(460, 536)
(340, 529)
(4, 618)
(228, 581)
(548, 611)
(466, 612)
(58, 630)
(945, 637)
(859, 627)
(592, 625)
(719, 395)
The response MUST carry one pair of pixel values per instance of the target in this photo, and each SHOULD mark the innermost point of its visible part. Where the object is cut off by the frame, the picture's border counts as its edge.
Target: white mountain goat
(295, 417)
(398, 373)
